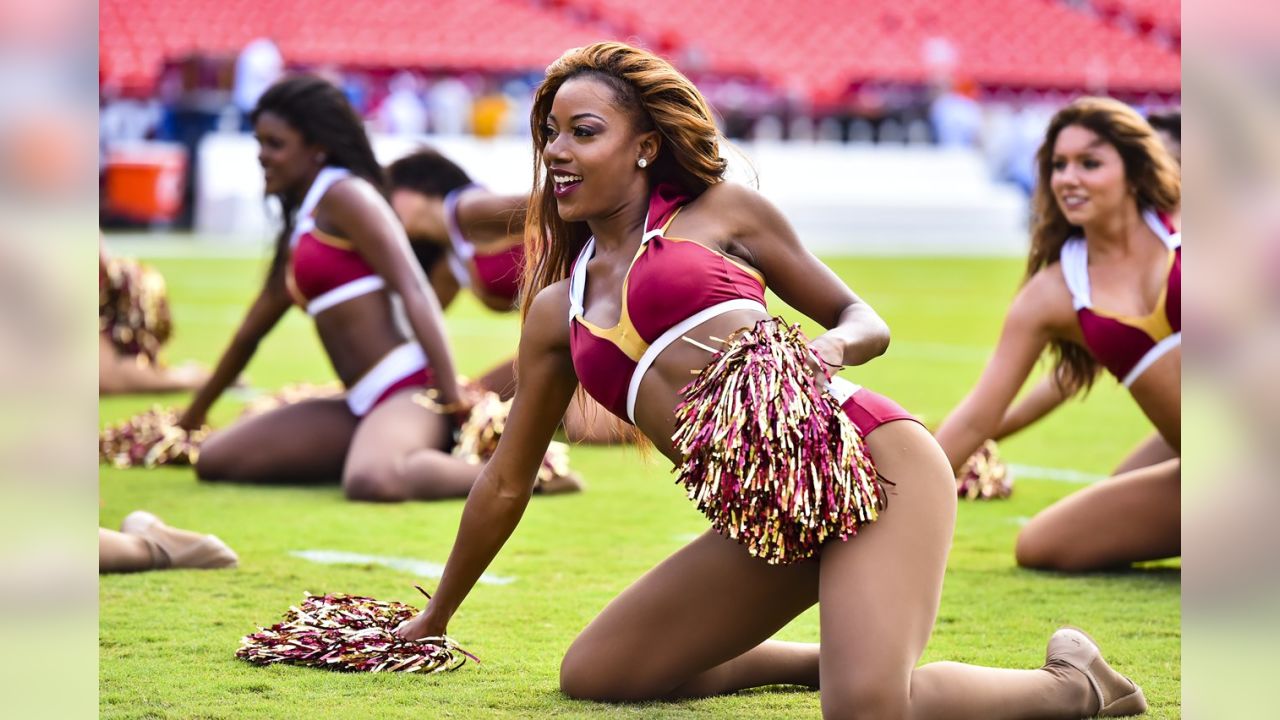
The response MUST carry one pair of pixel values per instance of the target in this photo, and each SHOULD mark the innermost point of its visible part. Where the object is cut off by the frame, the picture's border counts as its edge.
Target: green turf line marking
(1055, 474)
(420, 568)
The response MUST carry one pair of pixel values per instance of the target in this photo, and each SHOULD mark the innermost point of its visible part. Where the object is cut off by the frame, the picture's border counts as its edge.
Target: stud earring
(642, 163)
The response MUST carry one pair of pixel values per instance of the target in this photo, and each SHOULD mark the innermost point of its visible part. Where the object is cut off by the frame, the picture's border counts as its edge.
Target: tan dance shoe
(1117, 695)
(177, 548)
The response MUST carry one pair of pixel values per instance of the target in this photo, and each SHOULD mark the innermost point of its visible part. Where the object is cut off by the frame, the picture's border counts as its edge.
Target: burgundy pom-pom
(769, 455)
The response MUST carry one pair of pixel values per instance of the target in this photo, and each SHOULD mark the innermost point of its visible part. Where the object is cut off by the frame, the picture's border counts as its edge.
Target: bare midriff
(675, 368)
(358, 333)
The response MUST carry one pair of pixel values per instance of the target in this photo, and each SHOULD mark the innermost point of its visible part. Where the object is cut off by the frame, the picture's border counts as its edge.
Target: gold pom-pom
(984, 475)
(150, 439)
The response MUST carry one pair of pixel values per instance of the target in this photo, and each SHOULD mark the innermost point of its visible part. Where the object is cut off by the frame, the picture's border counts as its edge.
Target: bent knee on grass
(591, 673)
(218, 462)
(864, 699)
(373, 486)
(1040, 549)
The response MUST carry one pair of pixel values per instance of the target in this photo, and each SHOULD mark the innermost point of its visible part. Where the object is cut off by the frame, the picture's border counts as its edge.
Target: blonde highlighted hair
(657, 97)
(1151, 173)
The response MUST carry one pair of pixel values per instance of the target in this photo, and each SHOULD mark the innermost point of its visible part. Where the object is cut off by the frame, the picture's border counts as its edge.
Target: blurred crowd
(201, 94)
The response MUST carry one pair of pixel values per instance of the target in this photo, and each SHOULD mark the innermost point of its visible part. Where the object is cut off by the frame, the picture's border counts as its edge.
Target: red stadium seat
(1037, 43)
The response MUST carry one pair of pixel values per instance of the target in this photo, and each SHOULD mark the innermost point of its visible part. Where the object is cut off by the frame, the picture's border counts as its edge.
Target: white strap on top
(1075, 259)
(461, 245)
(673, 334)
(344, 292)
(1075, 270)
(305, 220)
(1151, 356)
(578, 280)
(1171, 240)
(577, 291)
(656, 232)
(842, 389)
(463, 250)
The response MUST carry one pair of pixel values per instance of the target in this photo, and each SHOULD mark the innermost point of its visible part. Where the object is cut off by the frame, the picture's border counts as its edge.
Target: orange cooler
(145, 181)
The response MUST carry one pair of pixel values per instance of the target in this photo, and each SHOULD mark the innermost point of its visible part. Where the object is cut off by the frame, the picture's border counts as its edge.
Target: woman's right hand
(422, 625)
(191, 419)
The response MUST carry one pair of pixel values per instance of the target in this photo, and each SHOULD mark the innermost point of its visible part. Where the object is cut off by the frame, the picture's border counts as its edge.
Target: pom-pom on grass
(350, 633)
(769, 455)
(150, 439)
(288, 395)
(984, 476)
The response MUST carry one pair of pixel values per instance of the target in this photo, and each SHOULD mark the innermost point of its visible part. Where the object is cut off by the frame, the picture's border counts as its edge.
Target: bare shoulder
(1046, 299)
(349, 193)
(733, 216)
(733, 199)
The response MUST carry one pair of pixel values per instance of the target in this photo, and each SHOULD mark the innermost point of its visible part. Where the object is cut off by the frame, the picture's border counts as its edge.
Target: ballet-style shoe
(1117, 695)
(174, 548)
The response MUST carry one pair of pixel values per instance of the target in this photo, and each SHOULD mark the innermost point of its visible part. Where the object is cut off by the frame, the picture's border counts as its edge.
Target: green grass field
(167, 638)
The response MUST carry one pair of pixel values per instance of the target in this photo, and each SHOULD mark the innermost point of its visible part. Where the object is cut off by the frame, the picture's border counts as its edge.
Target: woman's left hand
(828, 356)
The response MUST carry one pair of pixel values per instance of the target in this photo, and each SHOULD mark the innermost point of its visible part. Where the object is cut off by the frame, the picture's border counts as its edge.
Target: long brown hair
(1150, 172)
(658, 98)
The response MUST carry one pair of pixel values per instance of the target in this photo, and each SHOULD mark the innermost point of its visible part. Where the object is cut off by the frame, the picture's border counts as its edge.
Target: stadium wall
(842, 199)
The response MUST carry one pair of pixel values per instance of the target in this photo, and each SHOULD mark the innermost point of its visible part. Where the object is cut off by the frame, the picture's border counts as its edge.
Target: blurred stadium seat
(817, 48)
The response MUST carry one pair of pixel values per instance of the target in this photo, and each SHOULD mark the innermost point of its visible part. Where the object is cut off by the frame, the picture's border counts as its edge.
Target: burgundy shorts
(869, 410)
(420, 379)
(405, 366)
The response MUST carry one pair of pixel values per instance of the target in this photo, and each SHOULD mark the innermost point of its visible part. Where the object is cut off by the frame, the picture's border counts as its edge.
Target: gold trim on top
(623, 334)
(291, 286)
(745, 267)
(1155, 323)
(332, 240)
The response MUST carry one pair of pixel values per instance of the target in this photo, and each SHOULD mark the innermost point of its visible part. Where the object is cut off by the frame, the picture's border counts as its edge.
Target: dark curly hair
(320, 112)
(426, 171)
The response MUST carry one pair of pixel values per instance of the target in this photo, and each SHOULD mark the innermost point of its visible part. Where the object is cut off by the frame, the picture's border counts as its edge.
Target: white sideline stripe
(420, 568)
(1055, 474)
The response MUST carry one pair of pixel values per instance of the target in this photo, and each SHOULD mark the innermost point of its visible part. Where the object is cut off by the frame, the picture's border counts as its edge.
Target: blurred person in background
(258, 66)
(469, 237)
(1102, 290)
(403, 111)
(1049, 393)
(449, 104)
(339, 255)
(956, 116)
(489, 111)
(133, 325)
(631, 185)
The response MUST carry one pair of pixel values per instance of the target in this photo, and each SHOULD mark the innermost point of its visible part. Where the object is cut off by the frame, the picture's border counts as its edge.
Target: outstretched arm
(855, 332)
(1043, 399)
(500, 495)
(486, 218)
(267, 309)
(1026, 333)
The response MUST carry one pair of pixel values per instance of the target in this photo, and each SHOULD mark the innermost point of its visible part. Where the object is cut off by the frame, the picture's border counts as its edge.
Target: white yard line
(1065, 475)
(420, 568)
